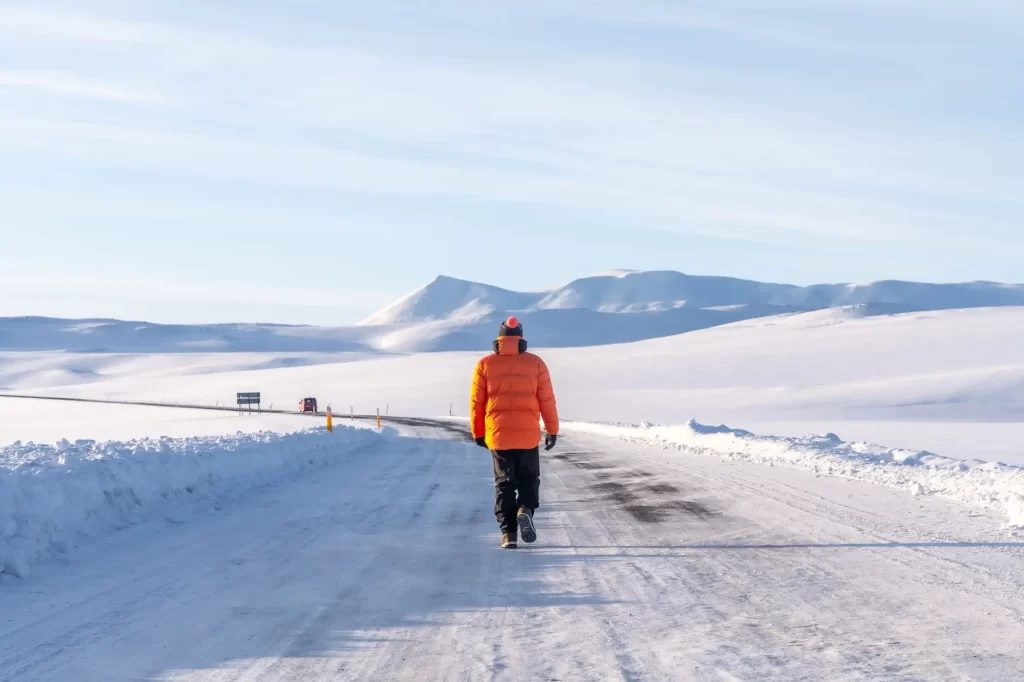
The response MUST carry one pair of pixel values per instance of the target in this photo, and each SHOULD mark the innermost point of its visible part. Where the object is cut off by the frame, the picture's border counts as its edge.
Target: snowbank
(54, 496)
(995, 486)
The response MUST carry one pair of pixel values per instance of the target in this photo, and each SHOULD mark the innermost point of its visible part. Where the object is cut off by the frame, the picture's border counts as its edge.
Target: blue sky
(312, 161)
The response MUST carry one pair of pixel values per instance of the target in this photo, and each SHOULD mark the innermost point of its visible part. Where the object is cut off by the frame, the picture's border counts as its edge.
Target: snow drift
(994, 486)
(54, 496)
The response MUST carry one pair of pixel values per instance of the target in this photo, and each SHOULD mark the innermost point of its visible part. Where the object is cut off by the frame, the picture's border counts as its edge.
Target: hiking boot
(508, 541)
(526, 527)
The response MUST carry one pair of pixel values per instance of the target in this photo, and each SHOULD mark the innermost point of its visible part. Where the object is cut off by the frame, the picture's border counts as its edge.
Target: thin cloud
(166, 42)
(73, 26)
(692, 204)
(63, 83)
(613, 119)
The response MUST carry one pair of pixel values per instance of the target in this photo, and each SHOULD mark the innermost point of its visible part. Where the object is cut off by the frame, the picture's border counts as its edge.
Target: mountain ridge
(449, 314)
(628, 291)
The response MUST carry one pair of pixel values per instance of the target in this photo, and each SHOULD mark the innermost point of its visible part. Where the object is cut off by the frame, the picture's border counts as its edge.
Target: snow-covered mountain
(450, 298)
(450, 314)
(627, 291)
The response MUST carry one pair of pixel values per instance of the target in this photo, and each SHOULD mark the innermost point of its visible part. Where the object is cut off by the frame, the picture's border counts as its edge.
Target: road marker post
(330, 420)
(378, 417)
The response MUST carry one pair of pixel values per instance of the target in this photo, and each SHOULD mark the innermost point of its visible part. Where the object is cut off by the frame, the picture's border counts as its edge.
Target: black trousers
(515, 471)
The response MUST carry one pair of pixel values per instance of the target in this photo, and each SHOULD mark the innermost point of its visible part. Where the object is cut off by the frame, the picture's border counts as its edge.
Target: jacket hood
(509, 345)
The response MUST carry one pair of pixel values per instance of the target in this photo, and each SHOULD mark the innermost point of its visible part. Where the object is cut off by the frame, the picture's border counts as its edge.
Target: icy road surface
(651, 565)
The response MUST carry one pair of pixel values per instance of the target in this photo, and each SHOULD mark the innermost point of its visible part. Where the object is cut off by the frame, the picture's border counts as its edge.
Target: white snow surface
(951, 382)
(821, 371)
(666, 552)
(651, 564)
(993, 486)
(48, 422)
(52, 497)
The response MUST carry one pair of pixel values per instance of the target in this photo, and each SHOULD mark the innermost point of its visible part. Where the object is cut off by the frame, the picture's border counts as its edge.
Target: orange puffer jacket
(511, 392)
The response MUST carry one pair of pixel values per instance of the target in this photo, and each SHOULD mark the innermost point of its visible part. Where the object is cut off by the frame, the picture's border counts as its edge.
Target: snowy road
(651, 565)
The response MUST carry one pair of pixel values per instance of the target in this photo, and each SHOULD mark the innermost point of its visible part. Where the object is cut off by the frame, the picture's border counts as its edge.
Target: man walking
(511, 393)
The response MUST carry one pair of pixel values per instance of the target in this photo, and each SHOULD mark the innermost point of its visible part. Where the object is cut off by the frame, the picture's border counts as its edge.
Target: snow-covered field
(168, 543)
(49, 422)
(906, 380)
(949, 383)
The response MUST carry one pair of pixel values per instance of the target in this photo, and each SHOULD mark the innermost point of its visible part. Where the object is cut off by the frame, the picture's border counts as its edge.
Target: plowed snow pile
(991, 485)
(54, 496)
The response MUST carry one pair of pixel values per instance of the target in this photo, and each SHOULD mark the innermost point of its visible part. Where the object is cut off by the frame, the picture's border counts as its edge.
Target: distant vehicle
(307, 405)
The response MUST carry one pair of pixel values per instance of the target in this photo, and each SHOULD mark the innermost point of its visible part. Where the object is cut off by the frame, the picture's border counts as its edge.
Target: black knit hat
(511, 327)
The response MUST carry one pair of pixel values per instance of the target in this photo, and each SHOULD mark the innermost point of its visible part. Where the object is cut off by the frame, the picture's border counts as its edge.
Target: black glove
(549, 441)
(482, 442)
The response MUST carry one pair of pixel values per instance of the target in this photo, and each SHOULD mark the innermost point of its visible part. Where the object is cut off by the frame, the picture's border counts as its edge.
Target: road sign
(249, 399)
